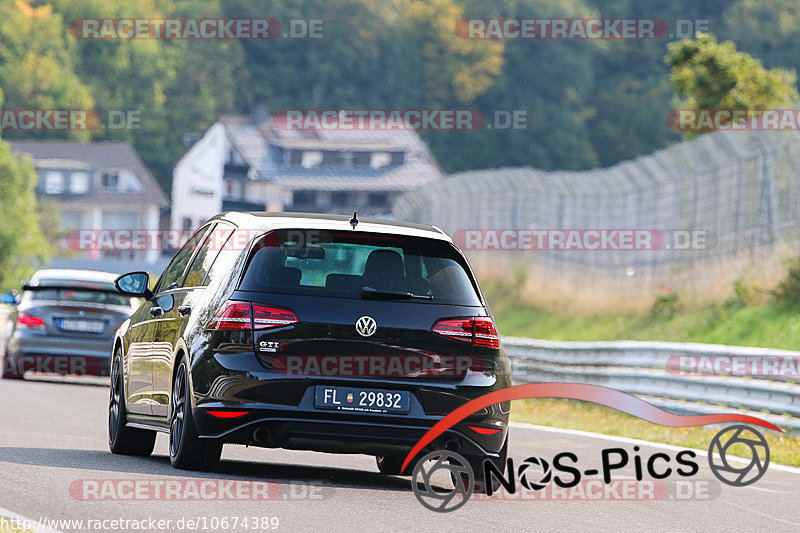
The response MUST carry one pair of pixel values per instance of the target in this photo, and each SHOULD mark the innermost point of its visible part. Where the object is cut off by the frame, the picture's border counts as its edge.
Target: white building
(97, 186)
(247, 164)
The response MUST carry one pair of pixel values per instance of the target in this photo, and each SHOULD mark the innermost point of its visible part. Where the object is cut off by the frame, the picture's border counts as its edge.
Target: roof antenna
(354, 220)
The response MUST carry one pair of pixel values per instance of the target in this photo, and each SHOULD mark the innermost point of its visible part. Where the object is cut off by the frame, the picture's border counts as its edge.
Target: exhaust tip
(452, 445)
(262, 435)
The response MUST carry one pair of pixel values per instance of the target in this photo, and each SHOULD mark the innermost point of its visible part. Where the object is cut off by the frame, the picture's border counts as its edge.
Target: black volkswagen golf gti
(307, 332)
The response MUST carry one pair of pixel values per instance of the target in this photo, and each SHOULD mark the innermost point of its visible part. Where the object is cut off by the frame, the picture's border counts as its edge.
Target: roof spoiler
(81, 288)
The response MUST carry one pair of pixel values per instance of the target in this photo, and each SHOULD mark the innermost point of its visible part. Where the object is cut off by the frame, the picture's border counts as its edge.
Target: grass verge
(767, 325)
(575, 414)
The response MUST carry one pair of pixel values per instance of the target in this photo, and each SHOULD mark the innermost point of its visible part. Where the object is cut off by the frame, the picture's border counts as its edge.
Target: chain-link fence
(725, 200)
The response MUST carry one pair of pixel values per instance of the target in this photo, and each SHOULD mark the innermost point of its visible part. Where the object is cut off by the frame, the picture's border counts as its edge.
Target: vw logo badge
(366, 326)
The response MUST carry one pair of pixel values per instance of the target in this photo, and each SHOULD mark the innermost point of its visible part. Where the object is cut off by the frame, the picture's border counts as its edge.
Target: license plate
(361, 400)
(84, 326)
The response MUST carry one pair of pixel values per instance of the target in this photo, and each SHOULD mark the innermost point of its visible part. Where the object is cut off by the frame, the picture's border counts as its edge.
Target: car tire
(8, 372)
(187, 451)
(390, 465)
(476, 464)
(124, 440)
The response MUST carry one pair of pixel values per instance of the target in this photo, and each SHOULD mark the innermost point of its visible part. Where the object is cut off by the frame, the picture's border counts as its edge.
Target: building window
(79, 183)
(54, 182)
(398, 158)
(323, 199)
(69, 220)
(311, 159)
(378, 199)
(109, 180)
(362, 159)
(347, 159)
(380, 160)
(233, 190)
(339, 198)
(303, 197)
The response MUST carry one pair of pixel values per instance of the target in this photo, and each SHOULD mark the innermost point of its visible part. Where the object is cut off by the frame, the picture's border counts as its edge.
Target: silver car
(64, 323)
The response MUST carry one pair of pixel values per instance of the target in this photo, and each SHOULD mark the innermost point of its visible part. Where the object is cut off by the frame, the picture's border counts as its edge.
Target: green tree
(550, 81)
(711, 75)
(455, 70)
(36, 65)
(22, 246)
(768, 30)
(176, 86)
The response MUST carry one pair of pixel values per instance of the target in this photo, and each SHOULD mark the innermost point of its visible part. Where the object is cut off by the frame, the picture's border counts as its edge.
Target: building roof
(99, 155)
(253, 142)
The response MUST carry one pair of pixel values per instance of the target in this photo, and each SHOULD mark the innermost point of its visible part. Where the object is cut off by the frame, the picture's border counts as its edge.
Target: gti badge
(366, 326)
(269, 346)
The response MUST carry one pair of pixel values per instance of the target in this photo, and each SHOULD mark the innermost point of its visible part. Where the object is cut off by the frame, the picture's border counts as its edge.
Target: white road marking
(759, 513)
(627, 440)
(33, 525)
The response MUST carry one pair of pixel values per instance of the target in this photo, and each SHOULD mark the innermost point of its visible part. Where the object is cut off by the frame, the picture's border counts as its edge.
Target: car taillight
(30, 321)
(485, 333)
(479, 331)
(246, 315)
(265, 316)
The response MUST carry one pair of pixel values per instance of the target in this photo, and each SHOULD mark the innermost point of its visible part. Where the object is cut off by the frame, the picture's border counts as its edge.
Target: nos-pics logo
(536, 473)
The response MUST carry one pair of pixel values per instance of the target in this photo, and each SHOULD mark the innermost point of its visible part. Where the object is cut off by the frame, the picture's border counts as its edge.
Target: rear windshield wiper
(369, 292)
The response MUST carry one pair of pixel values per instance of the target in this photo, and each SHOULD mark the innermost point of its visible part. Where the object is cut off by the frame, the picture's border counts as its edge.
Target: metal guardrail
(640, 369)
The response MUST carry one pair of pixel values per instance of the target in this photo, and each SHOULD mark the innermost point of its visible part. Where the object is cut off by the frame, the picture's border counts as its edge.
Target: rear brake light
(479, 331)
(227, 414)
(27, 319)
(246, 315)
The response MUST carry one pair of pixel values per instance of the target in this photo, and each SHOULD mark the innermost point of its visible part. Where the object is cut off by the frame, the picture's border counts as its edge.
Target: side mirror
(134, 284)
(8, 298)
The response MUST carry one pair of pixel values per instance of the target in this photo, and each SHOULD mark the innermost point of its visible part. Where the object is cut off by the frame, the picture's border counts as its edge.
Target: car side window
(174, 271)
(196, 275)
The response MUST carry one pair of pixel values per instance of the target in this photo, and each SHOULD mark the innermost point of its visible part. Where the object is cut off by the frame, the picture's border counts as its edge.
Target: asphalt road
(55, 464)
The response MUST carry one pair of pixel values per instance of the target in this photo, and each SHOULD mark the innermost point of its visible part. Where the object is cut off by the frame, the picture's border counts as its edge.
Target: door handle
(156, 311)
(184, 310)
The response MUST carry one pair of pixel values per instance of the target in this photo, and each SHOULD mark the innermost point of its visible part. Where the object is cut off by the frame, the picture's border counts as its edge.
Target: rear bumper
(281, 411)
(371, 437)
(33, 351)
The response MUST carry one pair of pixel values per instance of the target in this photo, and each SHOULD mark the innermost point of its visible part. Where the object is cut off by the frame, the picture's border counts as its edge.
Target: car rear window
(70, 291)
(347, 264)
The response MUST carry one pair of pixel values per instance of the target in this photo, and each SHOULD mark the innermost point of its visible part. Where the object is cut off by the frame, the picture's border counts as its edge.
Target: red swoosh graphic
(577, 391)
